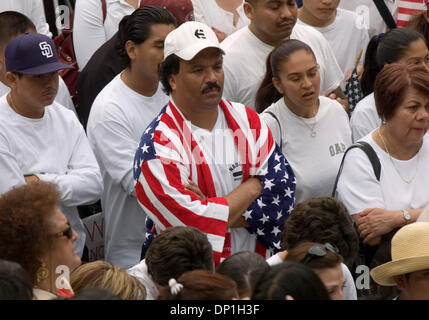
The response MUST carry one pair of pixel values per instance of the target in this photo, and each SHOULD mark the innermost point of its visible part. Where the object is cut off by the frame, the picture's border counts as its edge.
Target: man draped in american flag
(207, 162)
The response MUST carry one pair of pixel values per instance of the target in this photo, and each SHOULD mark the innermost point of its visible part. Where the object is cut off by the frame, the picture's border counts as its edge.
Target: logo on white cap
(46, 49)
(199, 33)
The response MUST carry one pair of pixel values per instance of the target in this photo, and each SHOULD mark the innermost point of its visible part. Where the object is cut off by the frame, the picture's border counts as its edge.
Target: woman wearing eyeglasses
(36, 234)
(325, 262)
(313, 131)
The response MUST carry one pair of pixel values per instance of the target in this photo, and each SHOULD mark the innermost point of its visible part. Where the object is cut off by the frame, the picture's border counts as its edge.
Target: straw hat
(410, 252)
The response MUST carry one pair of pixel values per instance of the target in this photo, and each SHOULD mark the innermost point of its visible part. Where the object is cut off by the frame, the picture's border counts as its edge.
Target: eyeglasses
(318, 251)
(65, 233)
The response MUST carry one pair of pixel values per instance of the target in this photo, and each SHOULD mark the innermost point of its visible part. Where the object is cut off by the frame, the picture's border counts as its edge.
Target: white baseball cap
(187, 40)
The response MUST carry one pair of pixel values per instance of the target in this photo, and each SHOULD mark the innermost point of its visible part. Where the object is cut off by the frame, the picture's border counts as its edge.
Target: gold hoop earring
(42, 273)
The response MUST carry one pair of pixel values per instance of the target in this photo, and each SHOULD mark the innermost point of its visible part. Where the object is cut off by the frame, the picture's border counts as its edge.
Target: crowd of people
(219, 140)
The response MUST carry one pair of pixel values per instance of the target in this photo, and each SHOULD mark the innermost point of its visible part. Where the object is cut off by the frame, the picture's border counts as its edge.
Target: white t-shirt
(209, 13)
(56, 149)
(244, 72)
(222, 155)
(89, 32)
(349, 289)
(33, 9)
(366, 8)
(118, 117)
(314, 160)
(347, 40)
(359, 189)
(364, 118)
(62, 97)
(139, 271)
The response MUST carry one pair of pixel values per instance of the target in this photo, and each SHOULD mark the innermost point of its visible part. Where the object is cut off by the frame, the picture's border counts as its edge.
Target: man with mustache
(119, 115)
(246, 51)
(39, 138)
(209, 163)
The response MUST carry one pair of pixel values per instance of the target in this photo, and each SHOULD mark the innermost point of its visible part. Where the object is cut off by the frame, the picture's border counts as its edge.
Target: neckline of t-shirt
(306, 120)
(21, 117)
(327, 28)
(373, 143)
(135, 93)
(219, 125)
(258, 41)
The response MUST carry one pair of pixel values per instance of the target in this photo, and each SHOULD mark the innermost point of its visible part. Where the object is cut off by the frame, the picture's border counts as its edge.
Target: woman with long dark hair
(313, 131)
(398, 45)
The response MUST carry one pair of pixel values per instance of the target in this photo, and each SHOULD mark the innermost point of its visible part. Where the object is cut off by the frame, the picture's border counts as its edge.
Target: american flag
(353, 91)
(408, 8)
(167, 156)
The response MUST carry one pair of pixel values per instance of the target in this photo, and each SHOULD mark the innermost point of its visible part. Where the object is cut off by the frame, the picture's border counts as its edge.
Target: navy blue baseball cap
(32, 53)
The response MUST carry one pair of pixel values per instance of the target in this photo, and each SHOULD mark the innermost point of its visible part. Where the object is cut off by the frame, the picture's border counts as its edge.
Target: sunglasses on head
(65, 233)
(318, 251)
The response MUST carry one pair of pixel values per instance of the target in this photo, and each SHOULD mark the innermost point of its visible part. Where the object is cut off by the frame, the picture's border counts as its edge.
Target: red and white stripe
(408, 8)
(160, 188)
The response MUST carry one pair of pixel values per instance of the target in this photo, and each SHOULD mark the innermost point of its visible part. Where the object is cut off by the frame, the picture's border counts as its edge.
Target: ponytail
(383, 50)
(370, 67)
(267, 93)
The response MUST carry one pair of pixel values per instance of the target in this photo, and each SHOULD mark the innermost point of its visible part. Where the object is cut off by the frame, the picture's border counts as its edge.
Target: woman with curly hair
(36, 234)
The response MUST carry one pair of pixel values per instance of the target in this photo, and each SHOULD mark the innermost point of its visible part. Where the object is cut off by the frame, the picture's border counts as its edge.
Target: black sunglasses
(318, 251)
(66, 233)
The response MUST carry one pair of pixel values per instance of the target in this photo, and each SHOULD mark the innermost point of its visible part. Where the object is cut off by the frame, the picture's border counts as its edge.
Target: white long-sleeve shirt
(33, 9)
(54, 148)
(117, 120)
(89, 31)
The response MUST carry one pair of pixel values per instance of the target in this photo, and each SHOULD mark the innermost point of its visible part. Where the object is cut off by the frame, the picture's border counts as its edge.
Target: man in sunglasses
(40, 139)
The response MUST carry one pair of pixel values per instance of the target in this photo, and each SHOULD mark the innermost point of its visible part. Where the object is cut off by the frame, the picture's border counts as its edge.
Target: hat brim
(190, 52)
(384, 274)
(45, 68)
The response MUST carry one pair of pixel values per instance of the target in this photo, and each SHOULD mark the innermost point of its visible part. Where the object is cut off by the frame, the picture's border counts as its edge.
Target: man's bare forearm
(241, 198)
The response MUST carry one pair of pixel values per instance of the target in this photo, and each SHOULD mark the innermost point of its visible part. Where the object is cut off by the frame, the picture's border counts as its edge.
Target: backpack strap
(373, 158)
(385, 13)
(280, 127)
(104, 8)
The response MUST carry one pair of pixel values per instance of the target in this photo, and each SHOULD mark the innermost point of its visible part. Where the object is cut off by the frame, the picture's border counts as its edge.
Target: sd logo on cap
(32, 53)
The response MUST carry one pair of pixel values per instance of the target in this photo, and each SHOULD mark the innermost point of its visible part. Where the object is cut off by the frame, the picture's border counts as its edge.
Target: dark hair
(245, 268)
(171, 65)
(24, 224)
(290, 278)
(137, 26)
(15, 283)
(381, 50)
(392, 84)
(177, 250)
(300, 252)
(419, 23)
(322, 220)
(13, 23)
(267, 93)
(201, 285)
